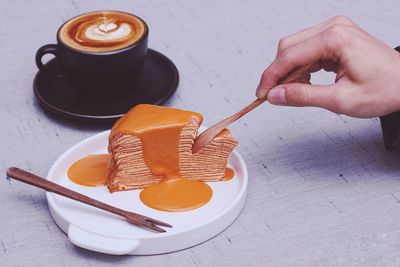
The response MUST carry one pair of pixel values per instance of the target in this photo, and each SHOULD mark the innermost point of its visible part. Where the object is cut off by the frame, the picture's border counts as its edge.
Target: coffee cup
(100, 52)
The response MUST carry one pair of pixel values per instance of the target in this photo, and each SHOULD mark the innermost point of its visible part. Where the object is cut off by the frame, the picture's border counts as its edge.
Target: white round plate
(101, 231)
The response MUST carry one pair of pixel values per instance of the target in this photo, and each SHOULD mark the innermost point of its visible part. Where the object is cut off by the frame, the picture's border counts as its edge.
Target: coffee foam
(102, 31)
(107, 32)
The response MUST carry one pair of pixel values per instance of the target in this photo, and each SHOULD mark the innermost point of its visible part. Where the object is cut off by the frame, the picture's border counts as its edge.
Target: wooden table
(323, 191)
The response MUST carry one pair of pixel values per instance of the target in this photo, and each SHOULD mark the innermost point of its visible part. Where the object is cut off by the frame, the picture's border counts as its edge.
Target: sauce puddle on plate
(176, 194)
(90, 170)
(229, 173)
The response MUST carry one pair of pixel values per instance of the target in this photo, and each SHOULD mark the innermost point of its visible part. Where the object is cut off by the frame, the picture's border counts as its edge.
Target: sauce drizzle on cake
(159, 130)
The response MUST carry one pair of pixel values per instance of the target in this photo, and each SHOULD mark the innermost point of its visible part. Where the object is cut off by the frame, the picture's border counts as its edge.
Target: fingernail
(277, 95)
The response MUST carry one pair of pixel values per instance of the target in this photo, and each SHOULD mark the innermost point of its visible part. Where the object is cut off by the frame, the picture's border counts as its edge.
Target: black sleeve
(391, 131)
(391, 128)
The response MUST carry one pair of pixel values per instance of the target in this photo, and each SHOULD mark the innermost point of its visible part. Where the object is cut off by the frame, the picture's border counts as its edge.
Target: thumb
(303, 94)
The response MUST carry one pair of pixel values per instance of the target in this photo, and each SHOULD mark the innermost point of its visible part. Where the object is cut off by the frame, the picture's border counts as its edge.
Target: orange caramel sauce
(176, 194)
(229, 173)
(90, 170)
(150, 123)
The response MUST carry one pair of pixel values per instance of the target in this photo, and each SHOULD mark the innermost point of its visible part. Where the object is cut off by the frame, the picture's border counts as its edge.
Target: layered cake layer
(151, 143)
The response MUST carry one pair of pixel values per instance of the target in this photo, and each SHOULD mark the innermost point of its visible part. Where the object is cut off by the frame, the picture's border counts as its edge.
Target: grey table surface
(323, 191)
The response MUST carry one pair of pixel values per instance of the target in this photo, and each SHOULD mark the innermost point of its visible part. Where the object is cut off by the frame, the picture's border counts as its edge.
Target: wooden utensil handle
(296, 74)
(291, 77)
(209, 134)
(47, 185)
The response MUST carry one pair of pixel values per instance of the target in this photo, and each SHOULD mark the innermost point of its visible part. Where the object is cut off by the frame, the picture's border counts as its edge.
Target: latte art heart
(106, 26)
(102, 31)
(108, 32)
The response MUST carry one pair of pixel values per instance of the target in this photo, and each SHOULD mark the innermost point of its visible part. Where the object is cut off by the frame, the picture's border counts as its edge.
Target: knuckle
(336, 30)
(283, 43)
(265, 75)
(300, 96)
(303, 96)
(268, 78)
(337, 35)
(285, 56)
(342, 19)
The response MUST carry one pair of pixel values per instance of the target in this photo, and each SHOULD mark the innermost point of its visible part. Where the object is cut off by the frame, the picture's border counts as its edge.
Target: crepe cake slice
(152, 142)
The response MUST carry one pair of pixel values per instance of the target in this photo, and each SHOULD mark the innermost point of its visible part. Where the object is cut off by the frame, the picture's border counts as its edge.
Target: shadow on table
(97, 257)
(318, 155)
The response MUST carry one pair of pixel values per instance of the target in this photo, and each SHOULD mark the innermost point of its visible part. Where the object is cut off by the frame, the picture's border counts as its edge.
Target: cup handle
(48, 49)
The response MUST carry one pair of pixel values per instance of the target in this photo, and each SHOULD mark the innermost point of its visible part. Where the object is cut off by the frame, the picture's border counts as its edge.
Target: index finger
(326, 45)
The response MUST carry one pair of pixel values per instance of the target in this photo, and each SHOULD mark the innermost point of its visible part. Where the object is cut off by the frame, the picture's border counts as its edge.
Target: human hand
(367, 71)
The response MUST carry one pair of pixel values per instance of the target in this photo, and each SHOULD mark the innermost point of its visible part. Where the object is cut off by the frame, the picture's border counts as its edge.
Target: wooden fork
(131, 217)
(208, 135)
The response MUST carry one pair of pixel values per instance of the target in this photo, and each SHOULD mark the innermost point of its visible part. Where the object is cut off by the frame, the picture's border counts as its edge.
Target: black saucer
(158, 81)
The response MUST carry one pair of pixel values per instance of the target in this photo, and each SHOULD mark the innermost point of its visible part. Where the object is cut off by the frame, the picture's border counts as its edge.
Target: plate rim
(52, 202)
